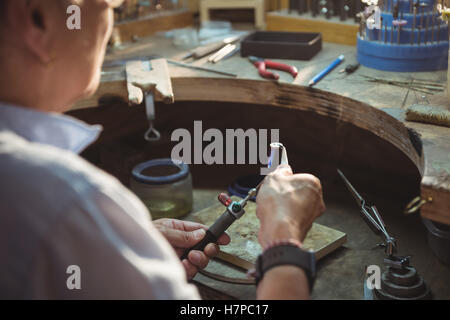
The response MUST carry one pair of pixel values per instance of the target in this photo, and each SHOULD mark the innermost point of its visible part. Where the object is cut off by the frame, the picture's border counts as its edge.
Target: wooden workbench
(362, 107)
(377, 110)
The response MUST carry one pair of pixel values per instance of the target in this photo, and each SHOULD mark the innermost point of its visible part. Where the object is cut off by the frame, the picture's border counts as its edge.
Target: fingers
(165, 225)
(224, 239)
(180, 224)
(283, 169)
(212, 250)
(183, 239)
(190, 225)
(190, 269)
(196, 260)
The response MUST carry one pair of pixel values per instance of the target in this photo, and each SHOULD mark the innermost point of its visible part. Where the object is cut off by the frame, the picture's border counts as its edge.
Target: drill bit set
(344, 9)
(403, 35)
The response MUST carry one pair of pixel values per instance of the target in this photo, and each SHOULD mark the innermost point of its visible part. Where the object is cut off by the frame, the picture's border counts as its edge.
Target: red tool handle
(224, 199)
(264, 73)
(282, 67)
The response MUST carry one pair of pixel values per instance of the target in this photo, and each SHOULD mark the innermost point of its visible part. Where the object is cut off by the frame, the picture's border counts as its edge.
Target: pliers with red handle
(262, 64)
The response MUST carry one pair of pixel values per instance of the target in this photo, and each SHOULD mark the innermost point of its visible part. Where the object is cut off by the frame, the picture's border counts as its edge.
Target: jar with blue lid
(164, 186)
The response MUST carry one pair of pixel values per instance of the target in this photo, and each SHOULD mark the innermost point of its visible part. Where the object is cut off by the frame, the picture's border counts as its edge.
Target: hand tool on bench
(219, 55)
(400, 280)
(234, 210)
(117, 63)
(149, 81)
(263, 64)
(327, 70)
(208, 49)
(350, 68)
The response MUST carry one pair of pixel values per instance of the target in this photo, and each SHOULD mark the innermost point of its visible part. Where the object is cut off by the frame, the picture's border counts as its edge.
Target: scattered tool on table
(237, 49)
(184, 65)
(219, 55)
(203, 51)
(423, 86)
(327, 70)
(263, 64)
(116, 63)
(350, 68)
(400, 280)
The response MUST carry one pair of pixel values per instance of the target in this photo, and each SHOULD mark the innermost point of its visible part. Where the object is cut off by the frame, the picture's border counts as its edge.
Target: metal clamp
(152, 134)
(416, 203)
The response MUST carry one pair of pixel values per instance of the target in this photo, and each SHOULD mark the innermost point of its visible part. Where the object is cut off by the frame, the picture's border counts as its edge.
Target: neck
(26, 81)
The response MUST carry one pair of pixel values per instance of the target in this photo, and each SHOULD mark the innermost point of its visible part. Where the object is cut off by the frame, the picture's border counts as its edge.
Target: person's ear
(30, 19)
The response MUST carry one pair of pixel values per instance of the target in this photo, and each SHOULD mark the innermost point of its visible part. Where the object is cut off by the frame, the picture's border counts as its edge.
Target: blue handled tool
(327, 70)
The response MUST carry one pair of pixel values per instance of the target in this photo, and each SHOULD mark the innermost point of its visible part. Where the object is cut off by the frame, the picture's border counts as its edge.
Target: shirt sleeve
(109, 238)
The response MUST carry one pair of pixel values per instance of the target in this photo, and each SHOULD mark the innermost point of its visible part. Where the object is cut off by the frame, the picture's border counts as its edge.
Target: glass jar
(164, 186)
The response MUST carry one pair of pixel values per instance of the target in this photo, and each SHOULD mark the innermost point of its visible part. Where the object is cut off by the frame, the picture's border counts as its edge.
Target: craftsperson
(57, 210)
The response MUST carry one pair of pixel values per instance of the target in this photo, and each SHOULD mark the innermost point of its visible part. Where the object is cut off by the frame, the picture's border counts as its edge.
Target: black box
(282, 45)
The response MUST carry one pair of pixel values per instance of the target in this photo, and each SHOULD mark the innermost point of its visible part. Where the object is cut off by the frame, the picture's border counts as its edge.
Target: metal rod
(413, 29)
(381, 29)
(418, 35)
(392, 32)
(439, 30)
(302, 6)
(357, 9)
(328, 6)
(184, 65)
(385, 32)
(421, 14)
(433, 22)
(342, 13)
(427, 22)
(410, 6)
(315, 7)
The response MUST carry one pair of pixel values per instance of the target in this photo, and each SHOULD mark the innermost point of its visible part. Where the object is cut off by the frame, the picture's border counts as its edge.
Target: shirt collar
(49, 128)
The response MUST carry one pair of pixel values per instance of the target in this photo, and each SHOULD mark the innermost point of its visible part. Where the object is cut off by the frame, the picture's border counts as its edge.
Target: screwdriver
(350, 68)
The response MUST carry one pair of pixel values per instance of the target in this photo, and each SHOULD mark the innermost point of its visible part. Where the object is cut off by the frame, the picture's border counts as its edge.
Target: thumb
(184, 239)
(283, 169)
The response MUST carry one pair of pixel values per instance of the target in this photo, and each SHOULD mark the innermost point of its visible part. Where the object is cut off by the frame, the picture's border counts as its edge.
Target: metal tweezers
(372, 217)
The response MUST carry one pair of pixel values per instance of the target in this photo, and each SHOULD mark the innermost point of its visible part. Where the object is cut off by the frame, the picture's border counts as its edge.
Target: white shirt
(57, 211)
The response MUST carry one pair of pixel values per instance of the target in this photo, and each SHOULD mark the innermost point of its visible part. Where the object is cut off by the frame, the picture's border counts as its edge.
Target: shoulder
(51, 179)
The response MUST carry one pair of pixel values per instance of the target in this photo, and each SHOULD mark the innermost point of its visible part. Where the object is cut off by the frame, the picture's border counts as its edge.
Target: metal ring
(415, 204)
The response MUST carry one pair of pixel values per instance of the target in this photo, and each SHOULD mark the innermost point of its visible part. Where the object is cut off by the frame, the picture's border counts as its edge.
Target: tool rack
(421, 44)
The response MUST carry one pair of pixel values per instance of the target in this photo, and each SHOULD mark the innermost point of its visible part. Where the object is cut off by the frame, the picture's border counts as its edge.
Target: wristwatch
(286, 254)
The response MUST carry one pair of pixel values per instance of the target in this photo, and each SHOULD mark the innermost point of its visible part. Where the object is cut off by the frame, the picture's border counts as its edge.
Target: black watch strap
(286, 255)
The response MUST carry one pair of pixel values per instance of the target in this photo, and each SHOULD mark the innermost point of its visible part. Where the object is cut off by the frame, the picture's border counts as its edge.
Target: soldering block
(428, 114)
